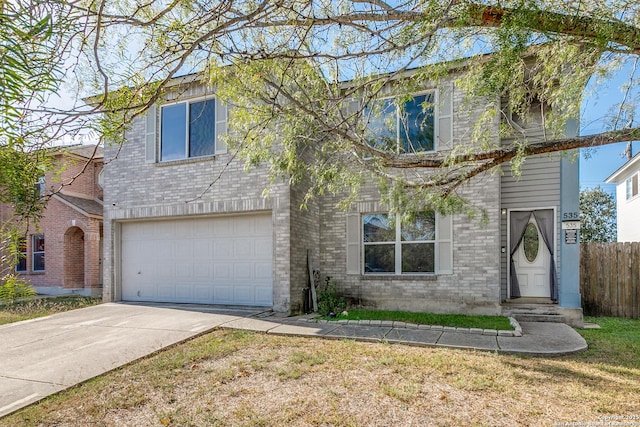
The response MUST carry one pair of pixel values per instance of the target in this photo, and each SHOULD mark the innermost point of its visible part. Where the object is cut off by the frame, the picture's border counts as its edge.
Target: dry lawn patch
(236, 378)
(40, 307)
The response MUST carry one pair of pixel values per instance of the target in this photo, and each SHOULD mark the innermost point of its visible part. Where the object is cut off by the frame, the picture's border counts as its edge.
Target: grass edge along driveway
(243, 378)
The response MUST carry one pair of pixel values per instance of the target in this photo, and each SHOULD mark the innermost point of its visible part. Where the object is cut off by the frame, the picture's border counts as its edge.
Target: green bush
(14, 287)
(329, 298)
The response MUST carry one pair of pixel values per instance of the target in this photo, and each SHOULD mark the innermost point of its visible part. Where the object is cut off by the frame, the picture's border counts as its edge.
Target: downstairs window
(393, 246)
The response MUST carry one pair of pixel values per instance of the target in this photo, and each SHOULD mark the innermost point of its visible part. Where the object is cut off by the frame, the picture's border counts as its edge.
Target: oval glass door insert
(531, 242)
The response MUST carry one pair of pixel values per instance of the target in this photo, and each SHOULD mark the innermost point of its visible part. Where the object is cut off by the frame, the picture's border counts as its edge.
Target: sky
(597, 105)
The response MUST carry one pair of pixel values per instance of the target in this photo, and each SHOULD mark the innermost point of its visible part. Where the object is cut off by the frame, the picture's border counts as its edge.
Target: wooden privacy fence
(610, 279)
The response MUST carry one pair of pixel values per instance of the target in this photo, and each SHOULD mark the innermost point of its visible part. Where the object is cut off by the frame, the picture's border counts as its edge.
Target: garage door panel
(138, 233)
(164, 272)
(163, 249)
(223, 294)
(226, 260)
(222, 271)
(202, 270)
(263, 224)
(129, 248)
(184, 271)
(222, 249)
(186, 229)
(184, 249)
(146, 246)
(242, 270)
(244, 227)
(202, 293)
(202, 249)
(164, 230)
(263, 248)
(243, 249)
(166, 292)
(263, 295)
(129, 294)
(145, 274)
(263, 271)
(184, 292)
(244, 294)
(223, 227)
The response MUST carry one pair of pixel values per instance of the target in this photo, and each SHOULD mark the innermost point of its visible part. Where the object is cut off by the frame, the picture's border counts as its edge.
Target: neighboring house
(62, 253)
(168, 240)
(627, 199)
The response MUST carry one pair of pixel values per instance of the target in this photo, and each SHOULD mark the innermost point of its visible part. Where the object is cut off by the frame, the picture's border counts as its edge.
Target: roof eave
(613, 178)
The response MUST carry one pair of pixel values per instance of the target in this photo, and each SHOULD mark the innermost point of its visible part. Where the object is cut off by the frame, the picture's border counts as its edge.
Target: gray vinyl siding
(537, 187)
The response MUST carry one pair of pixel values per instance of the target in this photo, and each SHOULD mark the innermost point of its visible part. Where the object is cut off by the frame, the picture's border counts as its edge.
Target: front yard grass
(617, 340)
(239, 378)
(457, 320)
(40, 307)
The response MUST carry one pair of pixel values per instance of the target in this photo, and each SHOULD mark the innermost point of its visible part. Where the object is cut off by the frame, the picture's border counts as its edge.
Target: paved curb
(517, 332)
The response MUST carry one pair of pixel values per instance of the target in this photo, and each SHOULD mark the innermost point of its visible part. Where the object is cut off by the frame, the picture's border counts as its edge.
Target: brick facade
(474, 286)
(72, 251)
(138, 190)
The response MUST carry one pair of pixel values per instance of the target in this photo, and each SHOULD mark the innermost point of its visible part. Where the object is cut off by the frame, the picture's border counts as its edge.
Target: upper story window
(523, 120)
(38, 252)
(402, 126)
(187, 129)
(632, 186)
(21, 262)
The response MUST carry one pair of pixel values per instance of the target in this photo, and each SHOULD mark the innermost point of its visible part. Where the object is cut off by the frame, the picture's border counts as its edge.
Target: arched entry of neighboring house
(74, 258)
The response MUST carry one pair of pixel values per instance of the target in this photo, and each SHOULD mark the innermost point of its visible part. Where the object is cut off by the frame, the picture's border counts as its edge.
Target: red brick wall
(77, 177)
(62, 223)
(68, 233)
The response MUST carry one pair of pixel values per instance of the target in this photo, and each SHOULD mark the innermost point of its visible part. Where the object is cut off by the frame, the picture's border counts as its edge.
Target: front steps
(541, 310)
(528, 317)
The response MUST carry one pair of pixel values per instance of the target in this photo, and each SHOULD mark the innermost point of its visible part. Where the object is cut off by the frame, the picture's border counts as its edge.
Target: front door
(531, 261)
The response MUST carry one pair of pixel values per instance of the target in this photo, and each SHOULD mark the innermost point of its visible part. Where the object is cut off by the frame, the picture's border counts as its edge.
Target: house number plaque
(571, 225)
(571, 236)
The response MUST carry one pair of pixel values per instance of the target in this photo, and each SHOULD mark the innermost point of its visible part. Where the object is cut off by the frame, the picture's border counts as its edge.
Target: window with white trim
(190, 129)
(402, 125)
(37, 252)
(391, 245)
(632, 186)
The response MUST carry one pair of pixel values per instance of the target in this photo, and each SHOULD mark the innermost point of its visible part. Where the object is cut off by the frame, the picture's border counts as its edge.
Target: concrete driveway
(42, 356)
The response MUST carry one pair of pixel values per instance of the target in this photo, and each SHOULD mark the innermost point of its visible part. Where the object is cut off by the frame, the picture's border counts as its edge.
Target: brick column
(91, 257)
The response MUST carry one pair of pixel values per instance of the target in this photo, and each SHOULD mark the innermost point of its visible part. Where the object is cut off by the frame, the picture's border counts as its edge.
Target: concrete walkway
(43, 356)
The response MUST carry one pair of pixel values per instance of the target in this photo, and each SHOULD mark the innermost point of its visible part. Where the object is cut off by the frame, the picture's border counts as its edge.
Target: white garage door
(224, 260)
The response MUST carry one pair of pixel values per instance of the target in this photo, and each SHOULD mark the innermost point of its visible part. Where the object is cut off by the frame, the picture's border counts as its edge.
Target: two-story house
(168, 240)
(627, 199)
(61, 254)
